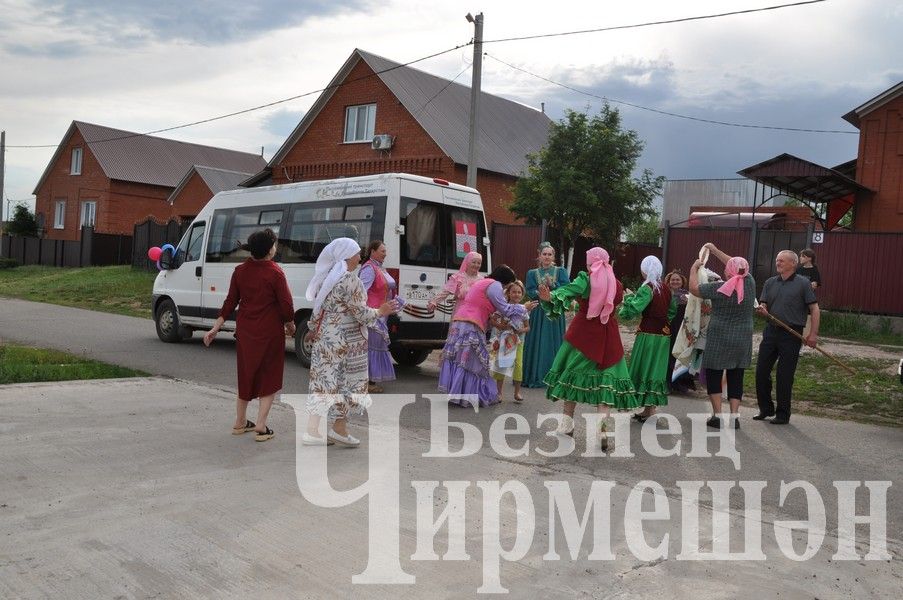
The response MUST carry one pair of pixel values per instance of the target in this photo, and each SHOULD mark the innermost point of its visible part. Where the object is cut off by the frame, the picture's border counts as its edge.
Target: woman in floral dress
(338, 328)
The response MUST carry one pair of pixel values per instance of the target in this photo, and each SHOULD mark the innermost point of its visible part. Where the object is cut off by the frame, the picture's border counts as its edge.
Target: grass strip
(23, 364)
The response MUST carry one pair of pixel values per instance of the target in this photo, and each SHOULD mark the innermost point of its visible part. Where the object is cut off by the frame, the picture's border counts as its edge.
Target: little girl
(506, 341)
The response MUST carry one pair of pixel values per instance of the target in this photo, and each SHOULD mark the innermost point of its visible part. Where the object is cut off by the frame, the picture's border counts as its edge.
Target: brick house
(198, 186)
(879, 163)
(113, 178)
(423, 121)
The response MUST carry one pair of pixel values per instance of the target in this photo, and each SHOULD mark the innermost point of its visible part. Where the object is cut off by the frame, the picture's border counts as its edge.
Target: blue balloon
(159, 266)
(170, 246)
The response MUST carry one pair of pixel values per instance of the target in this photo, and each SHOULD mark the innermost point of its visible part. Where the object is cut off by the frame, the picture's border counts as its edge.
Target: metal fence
(93, 249)
(860, 271)
(150, 233)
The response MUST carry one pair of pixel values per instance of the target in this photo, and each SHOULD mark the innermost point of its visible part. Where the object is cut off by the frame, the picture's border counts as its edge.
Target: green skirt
(575, 378)
(649, 368)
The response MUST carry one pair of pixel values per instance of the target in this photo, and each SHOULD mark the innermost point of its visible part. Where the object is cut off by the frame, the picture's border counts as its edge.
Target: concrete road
(136, 489)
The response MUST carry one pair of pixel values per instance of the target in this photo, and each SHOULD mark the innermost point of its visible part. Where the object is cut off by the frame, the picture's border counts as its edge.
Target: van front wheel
(167, 319)
(303, 349)
(409, 357)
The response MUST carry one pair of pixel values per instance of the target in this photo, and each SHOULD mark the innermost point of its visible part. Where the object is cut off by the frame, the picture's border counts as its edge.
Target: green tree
(23, 222)
(646, 231)
(582, 181)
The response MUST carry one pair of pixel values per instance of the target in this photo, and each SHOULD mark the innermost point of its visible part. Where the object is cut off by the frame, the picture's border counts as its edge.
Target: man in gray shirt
(788, 297)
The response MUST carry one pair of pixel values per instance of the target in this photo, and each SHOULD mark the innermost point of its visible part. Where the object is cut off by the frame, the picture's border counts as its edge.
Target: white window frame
(75, 165)
(93, 217)
(353, 115)
(59, 215)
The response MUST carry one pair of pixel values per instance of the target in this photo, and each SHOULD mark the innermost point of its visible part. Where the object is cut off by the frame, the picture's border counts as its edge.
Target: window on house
(75, 168)
(59, 215)
(89, 211)
(360, 123)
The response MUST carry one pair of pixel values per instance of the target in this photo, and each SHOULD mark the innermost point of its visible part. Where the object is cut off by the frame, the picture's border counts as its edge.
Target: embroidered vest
(655, 316)
(597, 341)
(378, 293)
(476, 306)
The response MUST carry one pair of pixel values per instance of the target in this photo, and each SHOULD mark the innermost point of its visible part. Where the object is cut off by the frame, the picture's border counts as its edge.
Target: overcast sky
(144, 66)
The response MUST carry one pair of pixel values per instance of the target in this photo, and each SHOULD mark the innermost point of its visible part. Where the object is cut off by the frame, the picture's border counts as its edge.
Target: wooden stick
(794, 332)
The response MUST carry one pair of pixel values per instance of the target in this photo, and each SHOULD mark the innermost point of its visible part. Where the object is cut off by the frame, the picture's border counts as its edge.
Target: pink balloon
(154, 253)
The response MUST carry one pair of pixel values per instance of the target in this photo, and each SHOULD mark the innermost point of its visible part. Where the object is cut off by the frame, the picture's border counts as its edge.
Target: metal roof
(853, 117)
(508, 131)
(803, 179)
(217, 180)
(129, 156)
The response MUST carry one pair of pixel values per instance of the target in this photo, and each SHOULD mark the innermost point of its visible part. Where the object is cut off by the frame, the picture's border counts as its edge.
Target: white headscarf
(330, 268)
(652, 267)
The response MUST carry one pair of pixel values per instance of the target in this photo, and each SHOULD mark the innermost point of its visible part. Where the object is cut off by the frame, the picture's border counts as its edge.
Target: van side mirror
(168, 259)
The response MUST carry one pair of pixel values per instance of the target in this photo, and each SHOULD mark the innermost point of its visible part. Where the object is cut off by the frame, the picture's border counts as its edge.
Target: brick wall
(193, 196)
(322, 154)
(119, 204)
(880, 167)
(92, 184)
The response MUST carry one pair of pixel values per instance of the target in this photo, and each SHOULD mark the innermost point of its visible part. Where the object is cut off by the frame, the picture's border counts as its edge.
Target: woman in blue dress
(546, 333)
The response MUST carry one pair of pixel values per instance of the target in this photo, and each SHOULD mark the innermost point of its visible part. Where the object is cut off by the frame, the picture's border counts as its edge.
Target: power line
(664, 112)
(261, 106)
(650, 23)
(600, 29)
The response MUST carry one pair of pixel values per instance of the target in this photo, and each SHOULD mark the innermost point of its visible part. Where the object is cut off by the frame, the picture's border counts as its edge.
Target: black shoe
(639, 417)
(714, 423)
(762, 416)
(736, 422)
(779, 421)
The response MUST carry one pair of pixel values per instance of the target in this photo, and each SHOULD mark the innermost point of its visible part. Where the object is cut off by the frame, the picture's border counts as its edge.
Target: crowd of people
(502, 327)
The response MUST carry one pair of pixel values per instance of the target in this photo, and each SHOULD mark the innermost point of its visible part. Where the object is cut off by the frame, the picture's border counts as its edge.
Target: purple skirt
(464, 370)
(379, 360)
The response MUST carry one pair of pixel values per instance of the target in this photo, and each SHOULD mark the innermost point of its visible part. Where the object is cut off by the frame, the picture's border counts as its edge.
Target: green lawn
(22, 364)
(873, 395)
(119, 289)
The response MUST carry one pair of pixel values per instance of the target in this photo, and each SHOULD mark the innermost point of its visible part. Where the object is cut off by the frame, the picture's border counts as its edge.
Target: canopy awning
(803, 180)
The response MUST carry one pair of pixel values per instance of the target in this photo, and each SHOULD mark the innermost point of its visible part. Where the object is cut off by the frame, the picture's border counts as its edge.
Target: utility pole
(475, 97)
(2, 172)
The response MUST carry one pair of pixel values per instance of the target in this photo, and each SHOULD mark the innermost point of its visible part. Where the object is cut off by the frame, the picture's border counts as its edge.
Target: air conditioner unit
(382, 141)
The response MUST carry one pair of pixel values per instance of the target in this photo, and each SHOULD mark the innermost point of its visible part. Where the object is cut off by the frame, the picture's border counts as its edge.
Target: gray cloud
(207, 22)
(281, 122)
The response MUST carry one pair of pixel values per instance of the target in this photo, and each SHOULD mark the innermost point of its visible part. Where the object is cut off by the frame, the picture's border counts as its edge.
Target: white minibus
(428, 226)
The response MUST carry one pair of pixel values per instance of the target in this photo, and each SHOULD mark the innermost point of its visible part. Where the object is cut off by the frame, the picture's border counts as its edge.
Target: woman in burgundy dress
(265, 316)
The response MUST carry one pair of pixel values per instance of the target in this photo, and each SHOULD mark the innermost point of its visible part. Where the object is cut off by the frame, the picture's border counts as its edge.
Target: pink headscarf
(603, 284)
(735, 272)
(460, 282)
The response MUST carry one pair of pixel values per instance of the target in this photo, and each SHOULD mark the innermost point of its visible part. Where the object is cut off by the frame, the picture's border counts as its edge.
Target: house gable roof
(854, 116)
(133, 157)
(508, 131)
(217, 180)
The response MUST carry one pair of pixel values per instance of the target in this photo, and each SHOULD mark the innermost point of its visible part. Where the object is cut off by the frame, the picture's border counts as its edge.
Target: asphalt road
(818, 451)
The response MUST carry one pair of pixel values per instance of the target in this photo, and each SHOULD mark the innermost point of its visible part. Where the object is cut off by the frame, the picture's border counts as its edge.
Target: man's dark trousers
(778, 345)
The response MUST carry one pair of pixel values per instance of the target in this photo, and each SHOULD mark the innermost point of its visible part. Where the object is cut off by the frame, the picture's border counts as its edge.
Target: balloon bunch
(156, 252)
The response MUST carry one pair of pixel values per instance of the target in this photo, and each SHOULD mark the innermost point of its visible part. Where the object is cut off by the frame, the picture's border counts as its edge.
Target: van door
(422, 260)
(184, 282)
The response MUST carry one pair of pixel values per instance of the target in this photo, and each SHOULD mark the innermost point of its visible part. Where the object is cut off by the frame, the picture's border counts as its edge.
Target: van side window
(218, 243)
(421, 243)
(225, 246)
(312, 226)
(466, 230)
(191, 245)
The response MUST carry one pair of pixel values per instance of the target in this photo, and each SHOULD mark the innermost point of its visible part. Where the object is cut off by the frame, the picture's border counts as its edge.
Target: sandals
(518, 398)
(263, 436)
(249, 426)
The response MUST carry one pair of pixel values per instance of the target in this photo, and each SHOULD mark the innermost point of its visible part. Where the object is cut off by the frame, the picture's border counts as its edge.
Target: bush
(8, 263)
